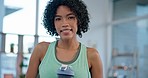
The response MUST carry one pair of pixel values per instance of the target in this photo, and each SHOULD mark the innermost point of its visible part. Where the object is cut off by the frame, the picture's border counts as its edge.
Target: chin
(67, 37)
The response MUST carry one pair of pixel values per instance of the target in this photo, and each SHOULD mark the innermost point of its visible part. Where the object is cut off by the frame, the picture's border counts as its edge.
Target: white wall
(98, 35)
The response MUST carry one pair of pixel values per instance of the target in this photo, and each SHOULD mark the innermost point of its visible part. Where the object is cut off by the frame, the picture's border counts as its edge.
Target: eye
(71, 17)
(57, 19)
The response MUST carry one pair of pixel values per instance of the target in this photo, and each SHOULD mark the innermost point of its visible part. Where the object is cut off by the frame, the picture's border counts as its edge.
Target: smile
(65, 30)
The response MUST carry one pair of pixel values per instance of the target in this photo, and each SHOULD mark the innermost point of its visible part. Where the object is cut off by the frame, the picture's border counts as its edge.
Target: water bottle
(65, 71)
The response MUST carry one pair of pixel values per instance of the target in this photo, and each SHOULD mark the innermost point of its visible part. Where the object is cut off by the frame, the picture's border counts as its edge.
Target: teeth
(65, 30)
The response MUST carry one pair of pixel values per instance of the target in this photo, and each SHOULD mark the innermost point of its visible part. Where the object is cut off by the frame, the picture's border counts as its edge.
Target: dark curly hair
(77, 6)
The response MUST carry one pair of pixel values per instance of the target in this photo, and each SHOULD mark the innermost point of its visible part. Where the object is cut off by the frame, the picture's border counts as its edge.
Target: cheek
(76, 27)
(57, 28)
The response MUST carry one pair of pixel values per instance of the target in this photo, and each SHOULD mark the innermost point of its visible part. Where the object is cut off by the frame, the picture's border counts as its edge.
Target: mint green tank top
(50, 64)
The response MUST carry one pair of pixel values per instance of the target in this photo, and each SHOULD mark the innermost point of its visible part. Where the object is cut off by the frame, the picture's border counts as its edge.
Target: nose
(65, 23)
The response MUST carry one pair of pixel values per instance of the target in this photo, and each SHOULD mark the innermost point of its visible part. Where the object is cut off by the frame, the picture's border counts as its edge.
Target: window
(19, 17)
(11, 43)
(28, 44)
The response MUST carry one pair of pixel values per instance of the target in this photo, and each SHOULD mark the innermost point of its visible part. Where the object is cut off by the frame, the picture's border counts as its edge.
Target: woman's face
(65, 22)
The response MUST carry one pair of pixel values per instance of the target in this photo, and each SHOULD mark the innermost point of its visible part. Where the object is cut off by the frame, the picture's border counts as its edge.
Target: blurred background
(118, 30)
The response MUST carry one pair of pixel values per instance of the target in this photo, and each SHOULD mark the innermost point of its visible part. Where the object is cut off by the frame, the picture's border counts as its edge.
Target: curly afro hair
(77, 6)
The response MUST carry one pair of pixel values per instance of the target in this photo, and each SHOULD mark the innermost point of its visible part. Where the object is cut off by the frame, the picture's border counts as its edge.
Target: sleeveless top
(50, 64)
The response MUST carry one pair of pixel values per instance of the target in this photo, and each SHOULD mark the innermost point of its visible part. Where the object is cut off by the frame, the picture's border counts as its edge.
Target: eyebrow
(66, 15)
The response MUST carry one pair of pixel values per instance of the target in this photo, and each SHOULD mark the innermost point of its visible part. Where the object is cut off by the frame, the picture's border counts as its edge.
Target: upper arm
(35, 60)
(33, 63)
(96, 68)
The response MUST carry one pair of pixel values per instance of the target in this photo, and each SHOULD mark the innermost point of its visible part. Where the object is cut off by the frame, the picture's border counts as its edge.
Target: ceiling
(9, 10)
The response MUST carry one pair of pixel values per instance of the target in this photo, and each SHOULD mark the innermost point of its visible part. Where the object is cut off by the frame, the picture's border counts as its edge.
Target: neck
(68, 44)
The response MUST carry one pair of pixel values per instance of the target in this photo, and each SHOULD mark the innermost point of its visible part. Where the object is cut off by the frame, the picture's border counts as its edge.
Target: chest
(50, 64)
(66, 55)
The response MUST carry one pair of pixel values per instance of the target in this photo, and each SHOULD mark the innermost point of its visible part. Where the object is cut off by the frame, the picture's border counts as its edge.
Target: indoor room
(118, 30)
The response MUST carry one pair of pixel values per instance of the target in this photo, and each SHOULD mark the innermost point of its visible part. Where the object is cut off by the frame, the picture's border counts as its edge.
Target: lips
(65, 30)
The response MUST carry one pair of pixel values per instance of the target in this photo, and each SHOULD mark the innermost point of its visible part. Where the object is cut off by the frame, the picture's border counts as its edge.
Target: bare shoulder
(92, 53)
(40, 49)
(36, 57)
(95, 63)
(42, 45)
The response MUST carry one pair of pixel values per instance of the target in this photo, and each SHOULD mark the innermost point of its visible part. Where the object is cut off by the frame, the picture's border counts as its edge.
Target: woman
(66, 18)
